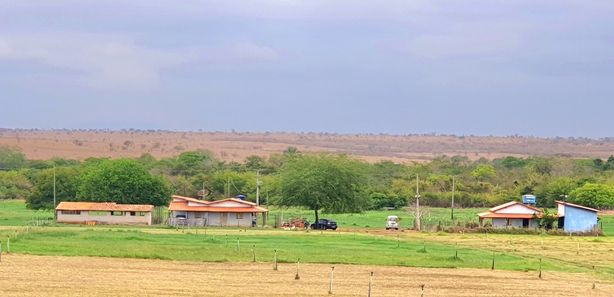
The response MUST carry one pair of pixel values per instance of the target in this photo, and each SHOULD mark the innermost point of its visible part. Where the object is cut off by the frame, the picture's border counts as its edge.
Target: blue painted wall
(579, 220)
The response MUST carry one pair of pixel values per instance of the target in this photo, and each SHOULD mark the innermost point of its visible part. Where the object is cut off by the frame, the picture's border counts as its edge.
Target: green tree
(11, 158)
(14, 185)
(194, 162)
(555, 190)
(67, 183)
(483, 172)
(323, 182)
(593, 195)
(123, 181)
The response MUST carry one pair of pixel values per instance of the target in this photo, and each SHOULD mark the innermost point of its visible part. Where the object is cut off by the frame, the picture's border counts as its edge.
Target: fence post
(493, 261)
(0, 251)
(578, 249)
(540, 268)
(332, 276)
(275, 261)
(422, 290)
(297, 277)
(8, 245)
(370, 281)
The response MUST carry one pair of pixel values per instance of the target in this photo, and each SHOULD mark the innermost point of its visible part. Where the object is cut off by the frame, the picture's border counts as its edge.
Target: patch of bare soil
(25, 275)
(81, 144)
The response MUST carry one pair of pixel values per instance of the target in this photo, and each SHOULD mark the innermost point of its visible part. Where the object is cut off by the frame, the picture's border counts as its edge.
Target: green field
(363, 242)
(15, 213)
(377, 219)
(222, 245)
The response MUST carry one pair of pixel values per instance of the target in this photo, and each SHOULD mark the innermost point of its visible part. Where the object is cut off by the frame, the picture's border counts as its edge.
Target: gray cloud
(481, 67)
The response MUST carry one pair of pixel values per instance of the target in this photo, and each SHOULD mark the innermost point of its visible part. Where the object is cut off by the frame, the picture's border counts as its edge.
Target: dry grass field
(81, 144)
(24, 275)
(585, 252)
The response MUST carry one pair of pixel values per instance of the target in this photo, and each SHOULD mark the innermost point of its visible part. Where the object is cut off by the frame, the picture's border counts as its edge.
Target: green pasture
(220, 245)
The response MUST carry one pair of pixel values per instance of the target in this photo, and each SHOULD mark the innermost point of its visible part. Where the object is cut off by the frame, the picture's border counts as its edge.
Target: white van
(392, 223)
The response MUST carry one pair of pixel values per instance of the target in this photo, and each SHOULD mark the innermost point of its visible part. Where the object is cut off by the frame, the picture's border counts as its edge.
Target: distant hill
(235, 146)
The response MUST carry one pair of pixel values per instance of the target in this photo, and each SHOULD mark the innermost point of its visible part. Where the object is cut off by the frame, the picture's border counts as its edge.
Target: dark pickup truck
(323, 224)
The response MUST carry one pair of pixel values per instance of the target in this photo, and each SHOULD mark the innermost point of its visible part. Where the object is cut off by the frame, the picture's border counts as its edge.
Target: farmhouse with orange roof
(227, 212)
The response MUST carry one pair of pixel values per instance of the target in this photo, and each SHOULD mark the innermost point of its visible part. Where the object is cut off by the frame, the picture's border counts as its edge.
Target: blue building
(576, 218)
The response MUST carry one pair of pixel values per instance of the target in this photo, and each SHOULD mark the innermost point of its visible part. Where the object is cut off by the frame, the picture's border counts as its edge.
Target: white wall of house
(499, 223)
(230, 219)
(516, 223)
(517, 209)
(231, 203)
(104, 218)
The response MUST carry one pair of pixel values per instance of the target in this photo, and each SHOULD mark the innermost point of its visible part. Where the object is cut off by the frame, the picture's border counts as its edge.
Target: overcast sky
(485, 67)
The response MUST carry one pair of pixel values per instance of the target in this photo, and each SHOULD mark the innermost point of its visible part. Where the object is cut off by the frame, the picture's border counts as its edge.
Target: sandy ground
(81, 144)
(24, 275)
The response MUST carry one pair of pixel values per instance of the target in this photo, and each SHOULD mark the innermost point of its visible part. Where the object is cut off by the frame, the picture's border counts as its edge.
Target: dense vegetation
(341, 183)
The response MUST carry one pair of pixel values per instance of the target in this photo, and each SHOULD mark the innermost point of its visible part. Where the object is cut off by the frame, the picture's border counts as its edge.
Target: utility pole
(417, 203)
(453, 198)
(55, 213)
(228, 187)
(258, 187)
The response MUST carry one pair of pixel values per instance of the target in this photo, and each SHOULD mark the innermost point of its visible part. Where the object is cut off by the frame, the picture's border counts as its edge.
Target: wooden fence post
(238, 245)
(422, 290)
(578, 249)
(254, 252)
(332, 276)
(275, 261)
(493, 261)
(370, 281)
(540, 268)
(297, 277)
(8, 245)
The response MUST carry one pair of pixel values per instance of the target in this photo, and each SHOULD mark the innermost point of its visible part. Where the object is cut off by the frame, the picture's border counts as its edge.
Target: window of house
(71, 212)
(133, 213)
(198, 215)
(141, 213)
(117, 213)
(239, 216)
(97, 213)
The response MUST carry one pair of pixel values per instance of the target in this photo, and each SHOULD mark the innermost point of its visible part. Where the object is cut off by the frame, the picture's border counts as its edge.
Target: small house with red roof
(227, 212)
(512, 214)
(103, 213)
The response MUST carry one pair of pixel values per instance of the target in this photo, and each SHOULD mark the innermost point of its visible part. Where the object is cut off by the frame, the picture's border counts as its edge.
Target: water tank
(529, 199)
(241, 196)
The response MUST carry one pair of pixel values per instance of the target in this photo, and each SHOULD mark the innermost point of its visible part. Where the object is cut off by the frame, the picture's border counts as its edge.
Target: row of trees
(334, 183)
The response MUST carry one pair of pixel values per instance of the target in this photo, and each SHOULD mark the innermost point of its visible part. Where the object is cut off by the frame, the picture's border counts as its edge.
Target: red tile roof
(181, 203)
(494, 212)
(103, 206)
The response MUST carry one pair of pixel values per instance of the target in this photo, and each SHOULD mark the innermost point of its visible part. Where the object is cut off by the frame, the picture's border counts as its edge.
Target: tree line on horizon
(327, 182)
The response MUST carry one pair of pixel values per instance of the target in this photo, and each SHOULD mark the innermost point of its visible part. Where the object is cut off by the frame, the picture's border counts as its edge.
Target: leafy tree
(14, 185)
(123, 181)
(331, 183)
(381, 200)
(194, 162)
(510, 162)
(554, 190)
(67, 183)
(483, 172)
(11, 158)
(593, 195)
(254, 162)
(541, 166)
